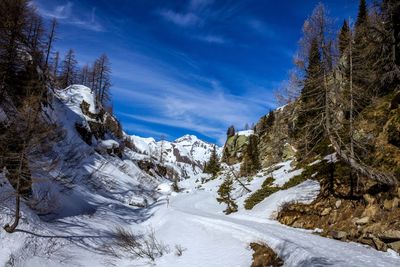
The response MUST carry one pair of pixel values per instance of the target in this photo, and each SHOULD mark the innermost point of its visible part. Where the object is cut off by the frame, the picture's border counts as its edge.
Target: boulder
(395, 246)
(388, 204)
(395, 203)
(367, 241)
(370, 210)
(338, 203)
(362, 221)
(379, 244)
(369, 199)
(298, 224)
(341, 235)
(374, 228)
(390, 235)
(326, 211)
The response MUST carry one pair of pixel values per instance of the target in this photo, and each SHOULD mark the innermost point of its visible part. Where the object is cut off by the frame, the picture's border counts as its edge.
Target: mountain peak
(187, 137)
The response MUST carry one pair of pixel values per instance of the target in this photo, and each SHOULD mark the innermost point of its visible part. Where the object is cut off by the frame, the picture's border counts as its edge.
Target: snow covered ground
(194, 220)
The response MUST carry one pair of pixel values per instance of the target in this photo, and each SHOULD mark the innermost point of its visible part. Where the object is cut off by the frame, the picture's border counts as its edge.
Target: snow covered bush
(179, 250)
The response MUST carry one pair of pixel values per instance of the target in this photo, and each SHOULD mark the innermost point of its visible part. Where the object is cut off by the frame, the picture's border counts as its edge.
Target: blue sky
(193, 66)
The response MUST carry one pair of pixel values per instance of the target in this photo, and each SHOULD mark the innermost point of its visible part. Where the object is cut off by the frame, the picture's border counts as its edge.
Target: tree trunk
(11, 228)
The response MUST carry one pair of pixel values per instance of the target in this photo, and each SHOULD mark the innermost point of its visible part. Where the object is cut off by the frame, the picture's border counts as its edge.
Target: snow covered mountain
(186, 155)
(178, 159)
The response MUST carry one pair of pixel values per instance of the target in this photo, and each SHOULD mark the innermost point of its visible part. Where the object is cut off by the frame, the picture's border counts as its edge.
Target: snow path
(214, 239)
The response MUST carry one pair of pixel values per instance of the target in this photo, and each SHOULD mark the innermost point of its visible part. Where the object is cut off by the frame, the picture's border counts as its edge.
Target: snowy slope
(79, 195)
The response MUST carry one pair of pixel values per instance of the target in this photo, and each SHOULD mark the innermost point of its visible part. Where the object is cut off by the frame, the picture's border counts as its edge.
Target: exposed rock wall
(275, 143)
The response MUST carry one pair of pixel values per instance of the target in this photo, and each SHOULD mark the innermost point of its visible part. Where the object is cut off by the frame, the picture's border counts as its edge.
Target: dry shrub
(140, 245)
(179, 250)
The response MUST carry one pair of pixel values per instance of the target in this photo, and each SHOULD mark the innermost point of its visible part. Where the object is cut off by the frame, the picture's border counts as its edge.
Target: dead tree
(50, 41)
(237, 178)
(28, 136)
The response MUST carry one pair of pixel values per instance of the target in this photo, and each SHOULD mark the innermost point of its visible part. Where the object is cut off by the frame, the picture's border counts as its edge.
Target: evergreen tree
(385, 52)
(224, 195)
(251, 162)
(344, 37)
(213, 165)
(312, 83)
(266, 123)
(363, 74)
(231, 131)
(313, 97)
(362, 16)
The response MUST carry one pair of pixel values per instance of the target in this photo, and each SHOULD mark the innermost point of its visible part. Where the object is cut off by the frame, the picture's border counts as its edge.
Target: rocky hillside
(103, 132)
(235, 147)
(274, 140)
(367, 214)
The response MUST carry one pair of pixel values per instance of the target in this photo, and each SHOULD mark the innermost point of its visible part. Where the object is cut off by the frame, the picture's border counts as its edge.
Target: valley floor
(195, 221)
(192, 220)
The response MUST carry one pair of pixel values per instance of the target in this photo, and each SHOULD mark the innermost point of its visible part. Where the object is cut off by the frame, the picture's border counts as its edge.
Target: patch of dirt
(264, 256)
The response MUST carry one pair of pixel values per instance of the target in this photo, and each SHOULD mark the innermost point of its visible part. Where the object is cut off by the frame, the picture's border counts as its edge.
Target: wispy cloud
(213, 39)
(201, 15)
(141, 129)
(181, 19)
(198, 4)
(200, 104)
(66, 14)
(260, 27)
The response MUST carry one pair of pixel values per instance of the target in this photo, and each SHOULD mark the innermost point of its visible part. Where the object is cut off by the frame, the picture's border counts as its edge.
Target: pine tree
(362, 16)
(231, 131)
(344, 37)
(224, 195)
(266, 123)
(251, 162)
(213, 166)
(385, 52)
(312, 81)
(313, 98)
(363, 74)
